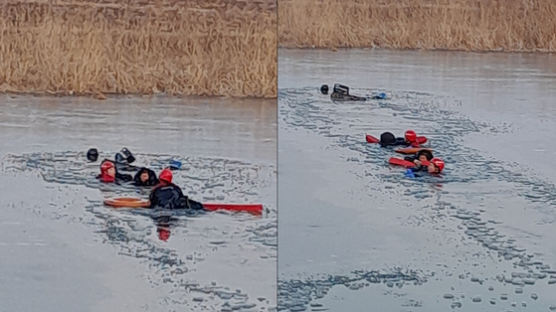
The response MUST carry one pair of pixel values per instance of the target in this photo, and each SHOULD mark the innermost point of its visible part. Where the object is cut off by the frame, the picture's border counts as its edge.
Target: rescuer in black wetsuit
(341, 93)
(167, 195)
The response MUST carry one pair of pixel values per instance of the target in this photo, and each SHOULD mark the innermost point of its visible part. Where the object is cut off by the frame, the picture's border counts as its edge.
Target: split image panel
(117, 119)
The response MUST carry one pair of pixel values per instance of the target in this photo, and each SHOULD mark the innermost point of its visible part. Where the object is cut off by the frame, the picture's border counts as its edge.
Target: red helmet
(107, 164)
(438, 163)
(410, 136)
(104, 167)
(165, 175)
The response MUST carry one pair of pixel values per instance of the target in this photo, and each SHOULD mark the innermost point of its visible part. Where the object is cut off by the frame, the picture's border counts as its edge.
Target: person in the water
(435, 166)
(388, 139)
(422, 156)
(167, 195)
(145, 177)
(109, 173)
(341, 93)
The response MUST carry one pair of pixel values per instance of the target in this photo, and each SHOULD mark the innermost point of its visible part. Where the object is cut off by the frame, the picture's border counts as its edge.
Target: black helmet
(128, 156)
(341, 89)
(324, 89)
(92, 154)
(387, 138)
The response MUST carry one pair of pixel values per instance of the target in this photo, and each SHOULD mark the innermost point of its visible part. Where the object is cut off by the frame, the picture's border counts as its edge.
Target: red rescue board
(256, 209)
(129, 202)
(371, 139)
(133, 202)
(400, 162)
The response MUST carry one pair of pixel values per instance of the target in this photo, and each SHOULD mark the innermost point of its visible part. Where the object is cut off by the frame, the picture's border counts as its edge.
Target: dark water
(357, 235)
(61, 248)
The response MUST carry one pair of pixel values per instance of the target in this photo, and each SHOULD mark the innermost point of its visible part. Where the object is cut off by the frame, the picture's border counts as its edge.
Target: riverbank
(466, 25)
(98, 47)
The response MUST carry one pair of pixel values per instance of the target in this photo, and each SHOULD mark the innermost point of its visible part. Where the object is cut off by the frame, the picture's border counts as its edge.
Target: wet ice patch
(194, 240)
(343, 127)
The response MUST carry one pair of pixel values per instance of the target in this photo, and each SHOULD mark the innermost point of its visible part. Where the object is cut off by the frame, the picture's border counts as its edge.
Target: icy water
(62, 249)
(355, 234)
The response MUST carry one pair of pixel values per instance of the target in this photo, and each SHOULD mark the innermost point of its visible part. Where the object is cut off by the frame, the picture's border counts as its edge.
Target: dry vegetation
(479, 25)
(214, 47)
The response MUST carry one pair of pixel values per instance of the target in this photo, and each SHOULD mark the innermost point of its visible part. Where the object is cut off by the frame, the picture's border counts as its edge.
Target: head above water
(144, 176)
(92, 154)
(387, 138)
(424, 154)
(324, 89)
(436, 165)
(107, 171)
(410, 136)
(166, 176)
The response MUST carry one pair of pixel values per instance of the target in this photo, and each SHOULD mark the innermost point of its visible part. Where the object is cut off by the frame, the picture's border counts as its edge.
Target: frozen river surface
(61, 249)
(355, 234)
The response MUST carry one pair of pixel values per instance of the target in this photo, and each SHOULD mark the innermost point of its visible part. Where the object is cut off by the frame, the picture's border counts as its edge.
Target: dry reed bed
(478, 25)
(216, 47)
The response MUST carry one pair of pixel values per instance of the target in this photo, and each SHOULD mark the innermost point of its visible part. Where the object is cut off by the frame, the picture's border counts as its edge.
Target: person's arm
(153, 180)
(124, 177)
(152, 198)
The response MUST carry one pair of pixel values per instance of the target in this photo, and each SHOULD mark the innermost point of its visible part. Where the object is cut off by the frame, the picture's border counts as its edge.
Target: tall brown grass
(214, 47)
(479, 25)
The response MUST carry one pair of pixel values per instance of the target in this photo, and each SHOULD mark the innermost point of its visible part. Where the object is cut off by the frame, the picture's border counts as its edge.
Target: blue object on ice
(409, 173)
(175, 164)
(379, 96)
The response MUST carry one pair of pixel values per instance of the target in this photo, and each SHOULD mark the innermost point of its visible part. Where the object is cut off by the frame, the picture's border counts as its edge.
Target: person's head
(107, 171)
(436, 165)
(92, 154)
(324, 89)
(387, 138)
(144, 176)
(424, 155)
(410, 136)
(165, 176)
